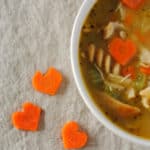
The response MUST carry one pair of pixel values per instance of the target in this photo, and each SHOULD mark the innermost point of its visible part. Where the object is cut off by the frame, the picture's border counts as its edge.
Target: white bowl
(83, 12)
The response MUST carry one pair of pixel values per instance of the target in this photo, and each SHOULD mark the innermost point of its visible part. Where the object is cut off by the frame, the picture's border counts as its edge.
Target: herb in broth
(140, 81)
(95, 77)
(112, 92)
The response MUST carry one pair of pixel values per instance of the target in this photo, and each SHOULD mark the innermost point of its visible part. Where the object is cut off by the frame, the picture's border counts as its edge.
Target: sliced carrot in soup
(133, 4)
(122, 50)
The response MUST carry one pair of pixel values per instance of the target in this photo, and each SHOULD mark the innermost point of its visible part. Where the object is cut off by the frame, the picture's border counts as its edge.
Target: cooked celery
(95, 77)
(140, 81)
(112, 92)
(119, 80)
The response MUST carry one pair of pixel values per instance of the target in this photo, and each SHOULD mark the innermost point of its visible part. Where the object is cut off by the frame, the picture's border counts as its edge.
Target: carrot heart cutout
(48, 83)
(28, 118)
(72, 136)
(122, 50)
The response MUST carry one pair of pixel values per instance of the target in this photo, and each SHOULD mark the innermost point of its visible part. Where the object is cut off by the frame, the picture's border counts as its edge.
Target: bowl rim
(75, 36)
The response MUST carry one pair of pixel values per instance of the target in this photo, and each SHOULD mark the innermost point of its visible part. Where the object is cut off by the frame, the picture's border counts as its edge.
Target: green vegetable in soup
(95, 77)
(140, 81)
(98, 80)
(112, 92)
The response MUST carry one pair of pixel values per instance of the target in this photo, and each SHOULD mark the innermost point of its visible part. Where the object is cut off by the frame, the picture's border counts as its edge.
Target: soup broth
(114, 55)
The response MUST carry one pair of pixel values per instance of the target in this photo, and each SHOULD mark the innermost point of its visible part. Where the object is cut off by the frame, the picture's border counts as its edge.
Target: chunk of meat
(123, 34)
(110, 29)
(144, 56)
(146, 102)
(145, 94)
(122, 11)
(130, 93)
(118, 108)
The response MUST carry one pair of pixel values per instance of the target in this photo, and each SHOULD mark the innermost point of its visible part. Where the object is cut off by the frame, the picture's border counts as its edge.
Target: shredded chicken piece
(111, 28)
(146, 102)
(145, 94)
(123, 34)
(130, 93)
(144, 56)
(121, 10)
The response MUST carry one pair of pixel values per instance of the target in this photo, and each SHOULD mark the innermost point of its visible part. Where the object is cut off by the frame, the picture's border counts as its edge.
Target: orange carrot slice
(145, 70)
(28, 118)
(142, 38)
(72, 136)
(48, 83)
(122, 50)
(130, 70)
(133, 4)
(128, 19)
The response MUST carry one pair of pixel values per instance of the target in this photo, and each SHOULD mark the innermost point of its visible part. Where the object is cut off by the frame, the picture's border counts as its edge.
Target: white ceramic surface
(82, 14)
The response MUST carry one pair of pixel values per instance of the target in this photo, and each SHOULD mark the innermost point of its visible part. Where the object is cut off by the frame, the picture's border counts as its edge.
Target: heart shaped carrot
(72, 136)
(28, 118)
(122, 50)
(48, 83)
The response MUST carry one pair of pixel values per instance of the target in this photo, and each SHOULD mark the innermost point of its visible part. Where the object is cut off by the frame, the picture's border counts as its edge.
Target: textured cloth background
(35, 34)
